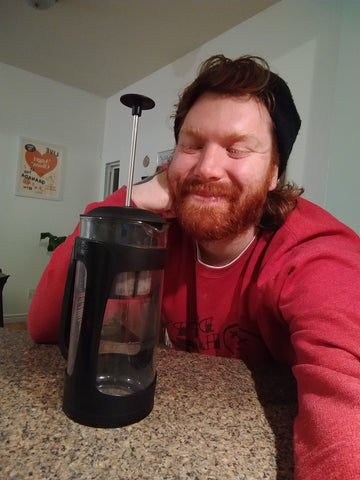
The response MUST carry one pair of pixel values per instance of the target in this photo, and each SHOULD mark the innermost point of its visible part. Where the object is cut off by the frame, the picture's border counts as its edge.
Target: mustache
(210, 189)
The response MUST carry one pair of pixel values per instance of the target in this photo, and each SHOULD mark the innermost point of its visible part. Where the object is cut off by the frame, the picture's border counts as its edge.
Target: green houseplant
(54, 241)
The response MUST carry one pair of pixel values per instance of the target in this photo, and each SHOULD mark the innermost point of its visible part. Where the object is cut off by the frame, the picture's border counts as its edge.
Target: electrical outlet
(31, 292)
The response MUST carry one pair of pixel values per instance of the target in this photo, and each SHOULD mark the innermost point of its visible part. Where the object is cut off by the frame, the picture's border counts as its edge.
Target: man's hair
(251, 75)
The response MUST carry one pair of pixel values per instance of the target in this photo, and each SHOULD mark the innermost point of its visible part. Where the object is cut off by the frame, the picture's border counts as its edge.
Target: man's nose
(209, 165)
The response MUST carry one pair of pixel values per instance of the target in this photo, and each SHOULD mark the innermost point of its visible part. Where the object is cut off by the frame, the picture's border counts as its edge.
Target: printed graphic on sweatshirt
(203, 336)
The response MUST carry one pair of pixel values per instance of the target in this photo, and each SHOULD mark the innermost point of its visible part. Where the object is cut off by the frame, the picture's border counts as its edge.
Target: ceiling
(102, 46)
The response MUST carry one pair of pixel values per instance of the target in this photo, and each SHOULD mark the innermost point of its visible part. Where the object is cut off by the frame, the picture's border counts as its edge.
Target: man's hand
(154, 195)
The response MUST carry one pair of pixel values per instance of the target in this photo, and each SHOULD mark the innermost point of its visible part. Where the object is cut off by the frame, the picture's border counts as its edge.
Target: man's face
(222, 169)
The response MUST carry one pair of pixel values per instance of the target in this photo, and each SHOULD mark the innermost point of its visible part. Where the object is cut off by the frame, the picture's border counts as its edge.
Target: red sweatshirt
(293, 295)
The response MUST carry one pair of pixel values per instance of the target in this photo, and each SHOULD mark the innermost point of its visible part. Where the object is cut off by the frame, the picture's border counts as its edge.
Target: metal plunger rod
(137, 103)
(132, 160)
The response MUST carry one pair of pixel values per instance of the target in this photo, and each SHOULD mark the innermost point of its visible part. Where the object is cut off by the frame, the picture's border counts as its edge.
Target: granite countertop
(213, 418)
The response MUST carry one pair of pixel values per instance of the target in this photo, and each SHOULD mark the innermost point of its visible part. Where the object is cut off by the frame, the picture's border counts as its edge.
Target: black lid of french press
(125, 213)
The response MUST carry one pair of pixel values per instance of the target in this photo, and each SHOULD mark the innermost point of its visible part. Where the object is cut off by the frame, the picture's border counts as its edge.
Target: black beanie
(285, 117)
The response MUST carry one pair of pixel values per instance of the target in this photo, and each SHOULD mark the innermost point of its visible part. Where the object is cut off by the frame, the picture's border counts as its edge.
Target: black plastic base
(96, 409)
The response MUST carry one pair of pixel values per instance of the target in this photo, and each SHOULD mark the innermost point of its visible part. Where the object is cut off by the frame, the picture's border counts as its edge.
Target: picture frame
(164, 157)
(39, 173)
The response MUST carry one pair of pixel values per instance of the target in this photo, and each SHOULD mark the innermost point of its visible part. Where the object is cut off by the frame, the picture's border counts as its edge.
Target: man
(254, 271)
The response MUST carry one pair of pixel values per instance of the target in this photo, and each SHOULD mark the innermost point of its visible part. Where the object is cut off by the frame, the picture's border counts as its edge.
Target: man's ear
(274, 178)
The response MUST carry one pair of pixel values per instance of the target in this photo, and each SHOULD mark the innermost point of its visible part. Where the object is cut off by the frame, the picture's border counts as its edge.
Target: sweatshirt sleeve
(45, 308)
(320, 299)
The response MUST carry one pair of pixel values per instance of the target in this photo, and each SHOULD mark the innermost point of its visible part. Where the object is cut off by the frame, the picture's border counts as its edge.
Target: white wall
(342, 197)
(43, 110)
(312, 43)
(307, 42)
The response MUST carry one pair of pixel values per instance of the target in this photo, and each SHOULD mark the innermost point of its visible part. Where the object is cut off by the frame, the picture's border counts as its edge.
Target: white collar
(222, 266)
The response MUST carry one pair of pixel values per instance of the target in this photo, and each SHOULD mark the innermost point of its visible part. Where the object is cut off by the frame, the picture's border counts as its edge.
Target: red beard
(235, 215)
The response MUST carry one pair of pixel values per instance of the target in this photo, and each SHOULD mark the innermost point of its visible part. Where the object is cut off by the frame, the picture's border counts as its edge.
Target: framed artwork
(164, 157)
(39, 170)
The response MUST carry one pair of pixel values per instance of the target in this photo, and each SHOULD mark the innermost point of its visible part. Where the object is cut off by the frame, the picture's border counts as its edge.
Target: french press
(111, 308)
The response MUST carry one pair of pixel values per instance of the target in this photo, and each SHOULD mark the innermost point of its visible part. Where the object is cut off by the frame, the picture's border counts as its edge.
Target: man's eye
(237, 152)
(190, 147)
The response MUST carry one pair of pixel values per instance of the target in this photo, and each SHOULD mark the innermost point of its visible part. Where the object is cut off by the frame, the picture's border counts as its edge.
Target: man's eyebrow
(191, 131)
(229, 138)
(234, 137)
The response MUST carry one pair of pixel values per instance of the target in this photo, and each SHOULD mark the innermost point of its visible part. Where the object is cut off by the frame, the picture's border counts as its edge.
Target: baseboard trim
(15, 318)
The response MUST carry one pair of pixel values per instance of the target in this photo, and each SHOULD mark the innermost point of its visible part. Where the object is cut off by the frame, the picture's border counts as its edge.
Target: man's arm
(45, 309)
(320, 298)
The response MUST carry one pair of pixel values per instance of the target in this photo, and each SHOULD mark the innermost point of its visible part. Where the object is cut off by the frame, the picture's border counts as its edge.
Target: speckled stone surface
(212, 419)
